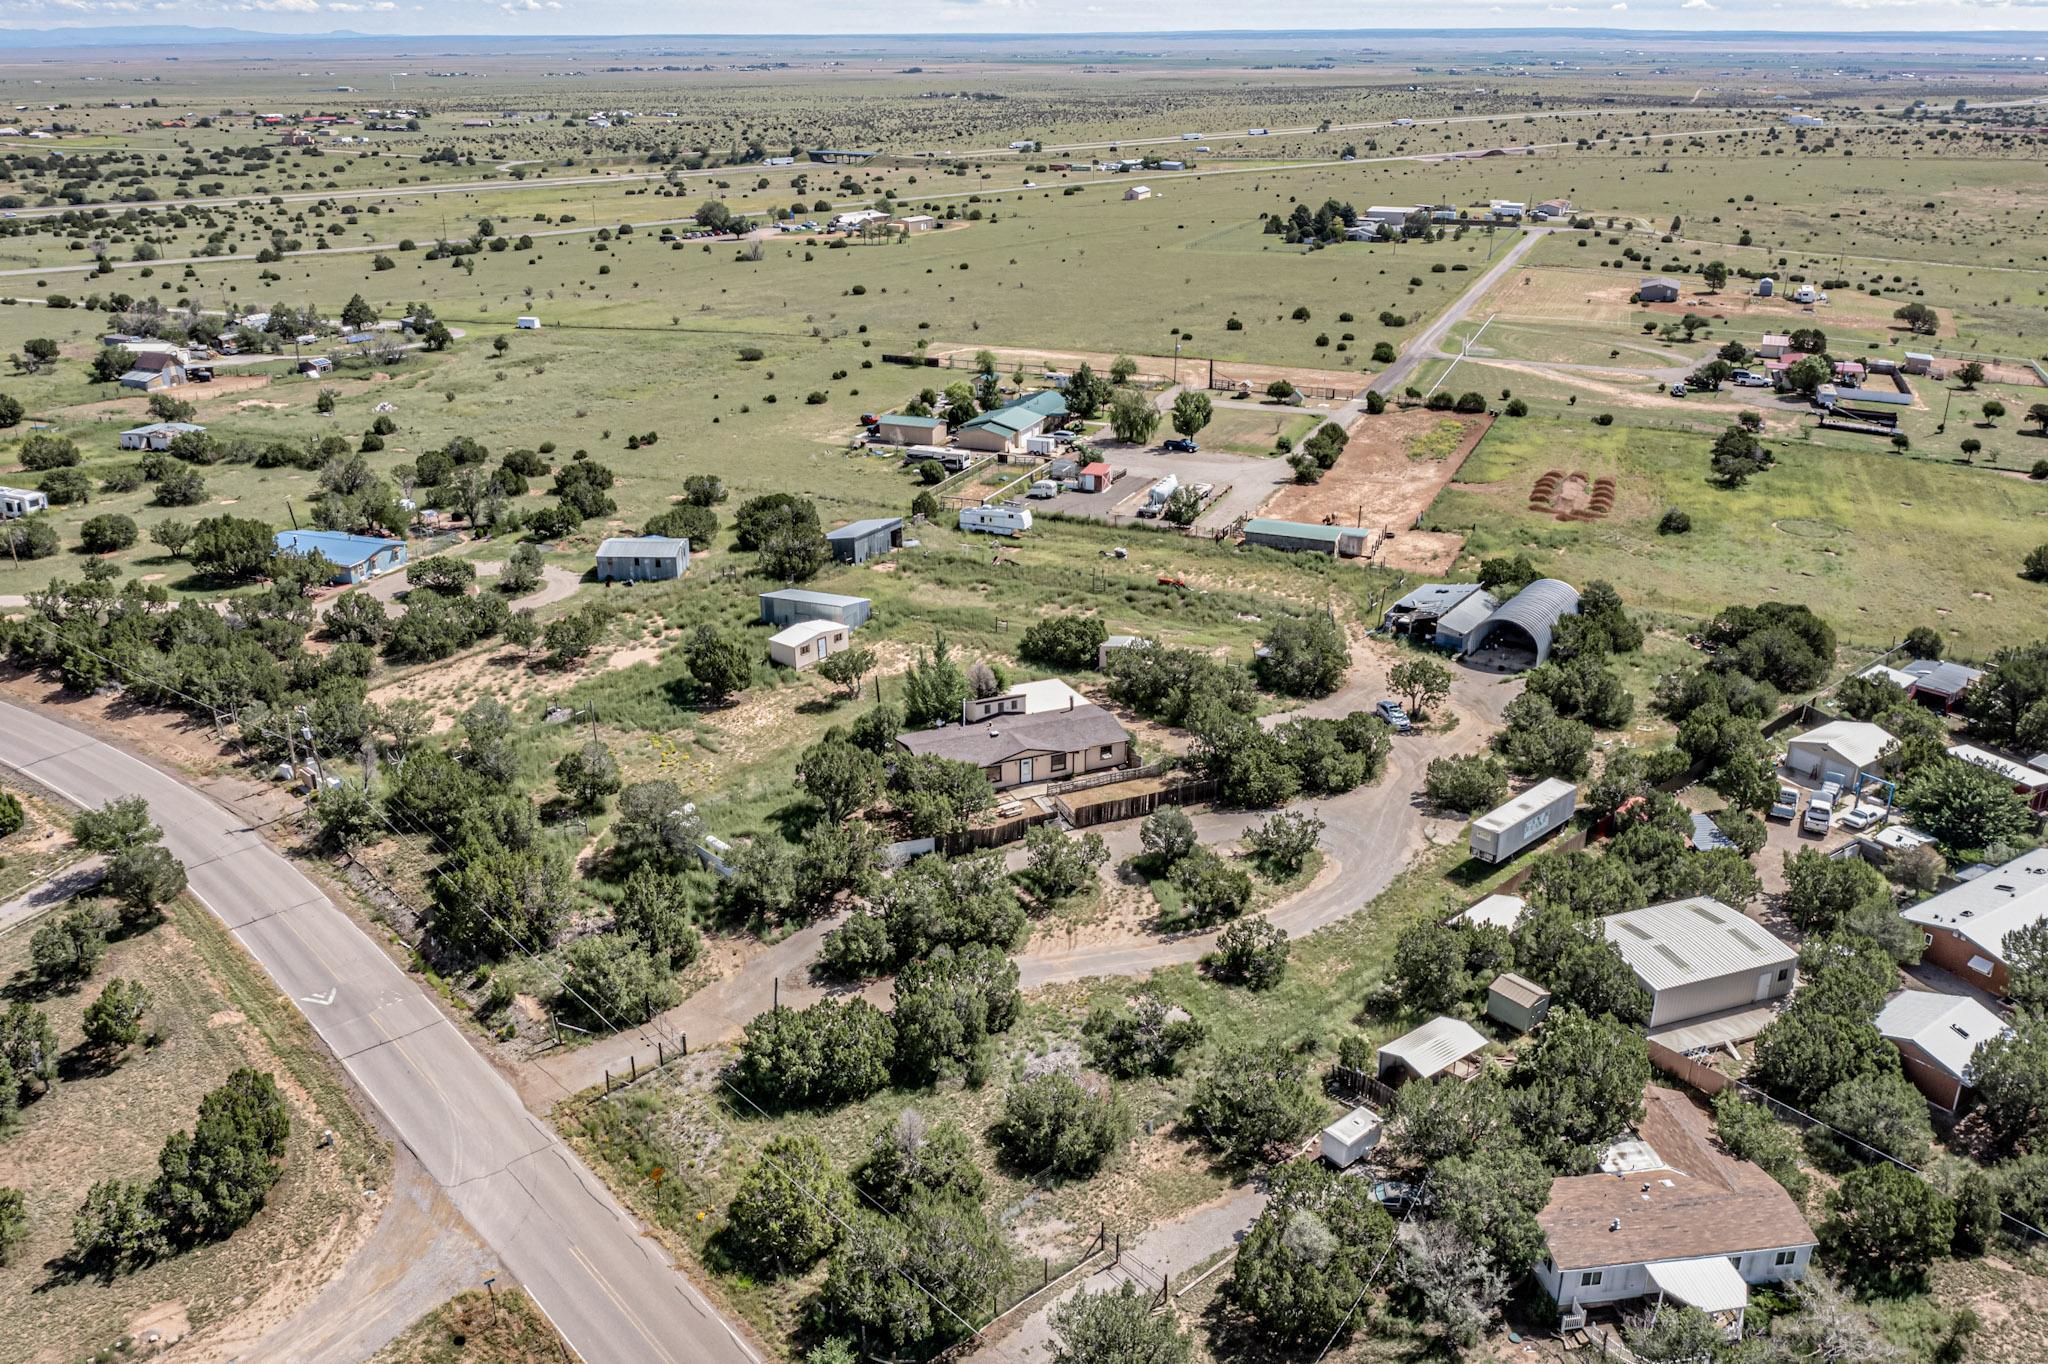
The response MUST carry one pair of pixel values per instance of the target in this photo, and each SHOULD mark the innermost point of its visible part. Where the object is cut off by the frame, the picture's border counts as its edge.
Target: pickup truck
(1820, 815)
(1786, 806)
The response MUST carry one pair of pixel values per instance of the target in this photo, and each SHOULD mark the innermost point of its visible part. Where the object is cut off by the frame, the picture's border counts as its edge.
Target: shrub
(1051, 1123)
(1674, 522)
(106, 533)
(1251, 952)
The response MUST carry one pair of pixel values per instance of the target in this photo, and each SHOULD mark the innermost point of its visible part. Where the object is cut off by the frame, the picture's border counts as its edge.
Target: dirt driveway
(1389, 474)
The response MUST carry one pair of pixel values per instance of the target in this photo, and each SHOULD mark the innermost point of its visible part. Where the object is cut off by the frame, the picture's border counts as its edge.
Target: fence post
(634, 1062)
(659, 1059)
(607, 1082)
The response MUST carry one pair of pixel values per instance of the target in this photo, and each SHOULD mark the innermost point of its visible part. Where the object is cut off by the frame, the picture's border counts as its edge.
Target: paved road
(610, 1290)
(1428, 343)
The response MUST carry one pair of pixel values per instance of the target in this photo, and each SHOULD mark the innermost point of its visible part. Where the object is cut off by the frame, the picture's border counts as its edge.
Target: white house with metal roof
(1938, 1037)
(157, 435)
(1840, 751)
(807, 643)
(1025, 698)
(1699, 957)
(642, 558)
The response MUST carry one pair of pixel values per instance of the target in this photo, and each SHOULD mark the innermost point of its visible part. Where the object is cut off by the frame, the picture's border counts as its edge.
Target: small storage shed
(1429, 1051)
(1095, 476)
(1516, 1002)
(859, 541)
(807, 643)
(1109, 646)
(1657, 291)
(1346, 1140)
(157, 435)
(642, 558)
(794, 604)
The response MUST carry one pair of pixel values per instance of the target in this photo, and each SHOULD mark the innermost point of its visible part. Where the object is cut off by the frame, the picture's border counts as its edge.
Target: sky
(540, 17)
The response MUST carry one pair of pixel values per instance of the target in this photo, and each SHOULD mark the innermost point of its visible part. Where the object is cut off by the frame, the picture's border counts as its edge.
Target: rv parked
(996, 520)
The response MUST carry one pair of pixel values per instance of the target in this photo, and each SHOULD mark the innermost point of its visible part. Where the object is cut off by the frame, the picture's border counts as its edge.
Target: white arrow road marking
(327, 998)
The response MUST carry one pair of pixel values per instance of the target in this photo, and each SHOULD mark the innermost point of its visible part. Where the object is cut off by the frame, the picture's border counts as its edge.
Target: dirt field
(1608, 299)
(477, 1329)
(1159, 368)
(213, 1012)
(1387, 477)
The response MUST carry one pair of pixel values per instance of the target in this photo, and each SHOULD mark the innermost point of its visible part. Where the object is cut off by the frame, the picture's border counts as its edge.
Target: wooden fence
(1185, 792)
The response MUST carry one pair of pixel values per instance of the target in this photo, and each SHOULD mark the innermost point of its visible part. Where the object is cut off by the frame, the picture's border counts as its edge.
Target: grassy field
(214, 1013)
(476, 1328)
(1866, 539)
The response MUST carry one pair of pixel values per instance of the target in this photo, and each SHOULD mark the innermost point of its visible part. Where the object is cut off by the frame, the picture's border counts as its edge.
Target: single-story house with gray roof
(1017, 750)
(642, 558)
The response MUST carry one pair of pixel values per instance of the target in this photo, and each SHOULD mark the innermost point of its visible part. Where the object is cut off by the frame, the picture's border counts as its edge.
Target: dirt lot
(1608, 299)
(137, 407)
(1159, 368)
(212, 1012)
(1387, 477)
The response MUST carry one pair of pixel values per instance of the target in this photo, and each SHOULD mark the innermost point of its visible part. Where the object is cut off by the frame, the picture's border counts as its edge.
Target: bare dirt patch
(1420, 551)
(1389, 474)
(137, 407)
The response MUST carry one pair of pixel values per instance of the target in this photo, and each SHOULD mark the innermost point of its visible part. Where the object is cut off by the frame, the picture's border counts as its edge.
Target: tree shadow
(795, 819)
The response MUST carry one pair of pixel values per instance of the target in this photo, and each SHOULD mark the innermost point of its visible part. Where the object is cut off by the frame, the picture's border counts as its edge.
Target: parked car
(1862, 816)
(1786, 806)
(1181, 445)
(1678, 390)
(1748, 379)
(1396, 718)
(1044, 488)
(199, 375)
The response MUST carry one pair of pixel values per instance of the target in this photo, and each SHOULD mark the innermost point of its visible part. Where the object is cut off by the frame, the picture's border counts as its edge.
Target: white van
(996, 520)
(528, 324)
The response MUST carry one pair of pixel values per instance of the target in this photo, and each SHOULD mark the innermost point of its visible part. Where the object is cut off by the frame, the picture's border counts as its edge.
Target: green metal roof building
(1348, 541)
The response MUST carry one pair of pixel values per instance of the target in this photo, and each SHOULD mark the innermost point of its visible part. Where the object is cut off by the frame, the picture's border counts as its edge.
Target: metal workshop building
(859, 541)
(793, 604)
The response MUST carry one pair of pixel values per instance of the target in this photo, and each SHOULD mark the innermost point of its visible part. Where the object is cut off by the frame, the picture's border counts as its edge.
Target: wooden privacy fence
(996, 835)
(1184, 792)
(1683, 1068)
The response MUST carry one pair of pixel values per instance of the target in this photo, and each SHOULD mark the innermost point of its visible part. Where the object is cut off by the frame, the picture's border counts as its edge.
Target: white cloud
(1623, 4)
(1699, 4)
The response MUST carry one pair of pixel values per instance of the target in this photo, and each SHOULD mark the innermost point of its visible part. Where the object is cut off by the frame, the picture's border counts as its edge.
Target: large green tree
(1309, 1258)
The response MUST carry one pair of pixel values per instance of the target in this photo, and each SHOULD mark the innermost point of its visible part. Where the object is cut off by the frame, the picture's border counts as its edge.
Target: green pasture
(1874, 542)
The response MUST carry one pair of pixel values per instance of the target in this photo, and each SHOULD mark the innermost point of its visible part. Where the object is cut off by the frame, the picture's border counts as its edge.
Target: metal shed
(1516, 1001)
(859, 541)
(1346, 541)
(1527, 620)
(794, 604)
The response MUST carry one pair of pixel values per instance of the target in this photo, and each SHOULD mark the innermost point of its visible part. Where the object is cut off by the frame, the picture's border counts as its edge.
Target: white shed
(807, 643)
(1350, 1137)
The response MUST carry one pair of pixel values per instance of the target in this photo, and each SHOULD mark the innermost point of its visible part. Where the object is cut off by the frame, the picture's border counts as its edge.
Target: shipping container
(1499, 834)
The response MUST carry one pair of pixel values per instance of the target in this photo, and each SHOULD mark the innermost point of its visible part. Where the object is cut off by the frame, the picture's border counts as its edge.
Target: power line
(560, 980)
